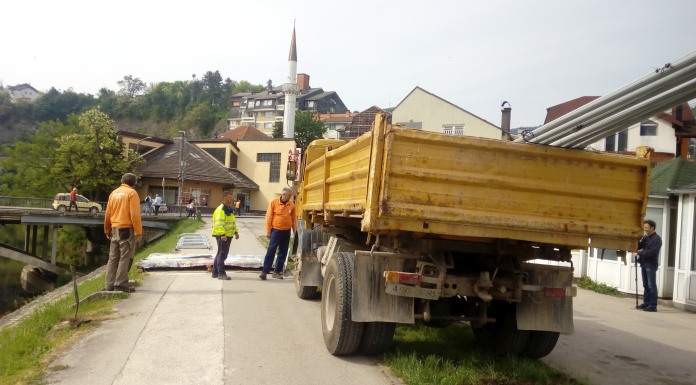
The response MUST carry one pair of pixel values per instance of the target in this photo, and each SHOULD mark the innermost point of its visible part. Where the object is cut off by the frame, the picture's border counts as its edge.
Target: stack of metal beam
(657, 92)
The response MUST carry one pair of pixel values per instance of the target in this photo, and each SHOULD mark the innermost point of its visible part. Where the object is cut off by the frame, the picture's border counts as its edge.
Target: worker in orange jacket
(124, 228)
(280, 223)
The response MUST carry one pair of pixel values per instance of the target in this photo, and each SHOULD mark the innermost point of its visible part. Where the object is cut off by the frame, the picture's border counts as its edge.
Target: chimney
(303, 82)
(505, 121)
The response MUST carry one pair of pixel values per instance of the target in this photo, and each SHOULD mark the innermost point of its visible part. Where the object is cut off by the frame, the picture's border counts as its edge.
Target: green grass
(27, 347)
(589, 284)
(448, 356)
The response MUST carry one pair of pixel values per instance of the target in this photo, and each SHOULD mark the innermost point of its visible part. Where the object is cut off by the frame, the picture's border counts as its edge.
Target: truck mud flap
(370, 303)
(538, 310)
(310, 272)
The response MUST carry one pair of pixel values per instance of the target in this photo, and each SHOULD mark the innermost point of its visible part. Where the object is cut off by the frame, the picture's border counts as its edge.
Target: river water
(12, 295)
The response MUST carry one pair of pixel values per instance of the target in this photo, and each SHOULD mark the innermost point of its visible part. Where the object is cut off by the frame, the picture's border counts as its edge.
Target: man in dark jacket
(648, 256)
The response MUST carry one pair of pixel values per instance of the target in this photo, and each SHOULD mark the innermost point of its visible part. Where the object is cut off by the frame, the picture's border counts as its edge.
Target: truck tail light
(554, 292)
(403, 278)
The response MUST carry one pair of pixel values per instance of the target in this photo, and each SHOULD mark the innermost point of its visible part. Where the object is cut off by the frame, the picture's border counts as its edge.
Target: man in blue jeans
(280, 224)
(648, 256)
(224, 228)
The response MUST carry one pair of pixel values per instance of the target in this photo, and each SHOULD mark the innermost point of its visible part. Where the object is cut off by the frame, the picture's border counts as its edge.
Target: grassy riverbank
(28, 346)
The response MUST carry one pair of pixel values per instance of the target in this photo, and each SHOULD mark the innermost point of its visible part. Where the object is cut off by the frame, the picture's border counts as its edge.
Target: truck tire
(502, 336)
(304, 292)
(341, 334)
(377, 338)
(540, 344)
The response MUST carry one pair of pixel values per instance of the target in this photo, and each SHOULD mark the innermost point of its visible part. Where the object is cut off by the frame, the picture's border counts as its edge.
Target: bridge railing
(37, 203)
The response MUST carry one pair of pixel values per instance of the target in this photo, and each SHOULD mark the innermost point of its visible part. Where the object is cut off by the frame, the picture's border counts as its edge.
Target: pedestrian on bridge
(158, 203)
(73, 200)
(124, 229)
(224, 227)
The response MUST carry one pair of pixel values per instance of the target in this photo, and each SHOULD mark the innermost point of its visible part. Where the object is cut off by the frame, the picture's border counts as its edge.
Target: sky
(533, 54)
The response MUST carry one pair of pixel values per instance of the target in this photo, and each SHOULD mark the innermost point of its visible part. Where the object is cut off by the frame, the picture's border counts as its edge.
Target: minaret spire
(291, 89)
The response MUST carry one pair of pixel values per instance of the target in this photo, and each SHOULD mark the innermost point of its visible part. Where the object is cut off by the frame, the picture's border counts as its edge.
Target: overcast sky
(475, 54)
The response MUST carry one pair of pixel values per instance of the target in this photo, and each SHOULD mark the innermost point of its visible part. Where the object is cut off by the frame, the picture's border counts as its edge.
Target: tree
(277, 130)
(308, 127)
(27, 169)
(212, 87)
(203, 117)
(92, 158)
(131, 86)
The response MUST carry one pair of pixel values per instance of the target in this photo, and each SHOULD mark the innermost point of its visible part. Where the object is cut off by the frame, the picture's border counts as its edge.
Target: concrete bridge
(50, 221)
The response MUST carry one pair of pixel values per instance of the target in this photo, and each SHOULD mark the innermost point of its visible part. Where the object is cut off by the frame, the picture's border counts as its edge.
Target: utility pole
(182, 160)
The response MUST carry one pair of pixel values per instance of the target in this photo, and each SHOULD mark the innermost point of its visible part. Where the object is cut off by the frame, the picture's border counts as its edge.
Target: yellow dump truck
(405, 226)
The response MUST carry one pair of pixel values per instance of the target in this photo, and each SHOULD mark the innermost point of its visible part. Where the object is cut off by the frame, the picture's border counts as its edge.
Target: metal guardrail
(37, 203)
(45, 203)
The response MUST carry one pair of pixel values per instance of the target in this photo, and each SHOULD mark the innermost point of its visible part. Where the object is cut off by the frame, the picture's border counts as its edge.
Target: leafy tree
(131, 86)
(58, 105)
(308, 127)
(245, 86)
(92, 158)
(203, 117)
(277, 130)
(28, 168)
(212, 87)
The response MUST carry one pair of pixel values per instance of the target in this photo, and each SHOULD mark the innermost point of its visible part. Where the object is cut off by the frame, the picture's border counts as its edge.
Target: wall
(433, 112)
(259, 171)
(664, 141)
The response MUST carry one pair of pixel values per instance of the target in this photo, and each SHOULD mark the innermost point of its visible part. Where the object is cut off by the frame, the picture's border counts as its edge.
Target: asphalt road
(187, 328)
(615, 344)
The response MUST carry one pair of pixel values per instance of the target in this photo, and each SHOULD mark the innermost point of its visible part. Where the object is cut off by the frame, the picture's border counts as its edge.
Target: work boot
(224, 277)
(263, 276)
(277, 275)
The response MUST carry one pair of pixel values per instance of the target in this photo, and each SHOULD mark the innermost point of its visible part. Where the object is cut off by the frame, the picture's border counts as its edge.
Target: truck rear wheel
(304, 292)
(540, 344)
(341, 334)
(502, 336)
(377, 338)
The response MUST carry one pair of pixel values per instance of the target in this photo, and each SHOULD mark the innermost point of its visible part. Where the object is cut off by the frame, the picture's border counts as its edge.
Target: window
(268, 114)
(412, 124)
(268, 125)
(274, 160)
(310, 104)
(648, 128)
(605, 254)
(235, 103)
(610, 143)
(250, 104)
(267, 102)
(453, 129)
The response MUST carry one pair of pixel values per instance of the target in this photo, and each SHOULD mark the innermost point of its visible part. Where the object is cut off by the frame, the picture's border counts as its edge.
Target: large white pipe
(624, 119)
(607, 109)
(661, 87)
(586, 109)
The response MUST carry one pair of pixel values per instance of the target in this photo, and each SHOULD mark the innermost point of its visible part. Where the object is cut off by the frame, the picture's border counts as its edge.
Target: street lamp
(182, 161)
(137, 154)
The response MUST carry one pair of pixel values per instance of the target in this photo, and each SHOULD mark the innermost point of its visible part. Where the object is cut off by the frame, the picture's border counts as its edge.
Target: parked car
(62, 201)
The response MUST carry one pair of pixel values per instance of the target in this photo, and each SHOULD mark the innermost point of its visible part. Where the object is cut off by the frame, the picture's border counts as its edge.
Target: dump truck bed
(458, 187)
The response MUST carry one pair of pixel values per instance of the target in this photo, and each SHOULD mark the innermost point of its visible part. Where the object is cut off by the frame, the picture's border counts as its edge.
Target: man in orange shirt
(124, 229)
(280, 223)
(73, 200)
